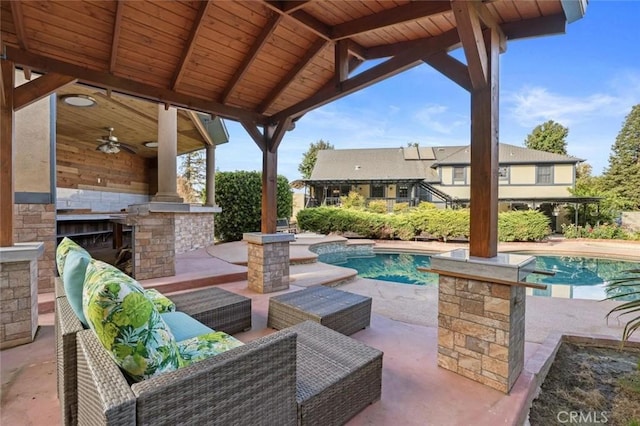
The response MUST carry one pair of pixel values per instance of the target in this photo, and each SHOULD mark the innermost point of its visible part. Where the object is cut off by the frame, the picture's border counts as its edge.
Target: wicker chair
(217, 308)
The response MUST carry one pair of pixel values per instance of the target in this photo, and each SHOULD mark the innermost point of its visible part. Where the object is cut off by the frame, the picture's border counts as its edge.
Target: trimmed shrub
(524, 225)
(604, 232)
(401, 208)
(353, 201)
(377, 206)
(239, 194)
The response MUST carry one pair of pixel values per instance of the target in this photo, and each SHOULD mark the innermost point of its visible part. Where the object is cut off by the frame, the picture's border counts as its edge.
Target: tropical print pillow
(63, 249)
(162, 303)
(127, 323)
(206, 346)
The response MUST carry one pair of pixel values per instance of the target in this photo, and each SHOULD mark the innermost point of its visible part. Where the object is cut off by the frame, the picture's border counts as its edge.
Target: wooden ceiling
(257, 62)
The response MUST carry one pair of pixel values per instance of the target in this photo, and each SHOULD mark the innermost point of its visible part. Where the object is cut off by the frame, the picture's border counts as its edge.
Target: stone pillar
(481, 319)
(268, 261)
(167, 156)
(37, 223)
(19, 293)
(211, 176)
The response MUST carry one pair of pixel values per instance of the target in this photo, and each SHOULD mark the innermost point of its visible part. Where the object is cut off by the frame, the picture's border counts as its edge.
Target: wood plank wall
(80, 166)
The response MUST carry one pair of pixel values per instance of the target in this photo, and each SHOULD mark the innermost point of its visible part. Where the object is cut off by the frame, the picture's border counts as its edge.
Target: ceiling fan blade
(127, 148)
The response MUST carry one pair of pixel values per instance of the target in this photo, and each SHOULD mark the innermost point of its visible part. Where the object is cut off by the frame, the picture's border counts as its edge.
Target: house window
(503, 172)
(377, 191)
(544, 175)
(458, 174)
(403, 191)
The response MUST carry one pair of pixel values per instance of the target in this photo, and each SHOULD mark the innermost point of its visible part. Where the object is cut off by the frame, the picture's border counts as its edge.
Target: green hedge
(604, 232)
(430, 222)
(239, 194)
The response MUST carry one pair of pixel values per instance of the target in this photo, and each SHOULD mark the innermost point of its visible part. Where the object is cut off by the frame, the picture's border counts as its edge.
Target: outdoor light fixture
(78, 100)
(151, 144)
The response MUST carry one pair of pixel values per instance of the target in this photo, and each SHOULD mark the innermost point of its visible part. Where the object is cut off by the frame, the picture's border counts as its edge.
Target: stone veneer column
(19, 293)
(268, 261)
(481, 322)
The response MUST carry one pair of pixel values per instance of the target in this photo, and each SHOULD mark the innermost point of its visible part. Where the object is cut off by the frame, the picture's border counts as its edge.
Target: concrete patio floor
(404, 326)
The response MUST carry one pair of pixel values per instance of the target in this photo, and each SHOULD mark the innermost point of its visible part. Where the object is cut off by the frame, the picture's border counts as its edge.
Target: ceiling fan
(110, 145)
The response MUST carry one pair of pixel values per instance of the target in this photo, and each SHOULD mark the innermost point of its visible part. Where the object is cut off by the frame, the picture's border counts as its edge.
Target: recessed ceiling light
(151, 144)
(78, 100)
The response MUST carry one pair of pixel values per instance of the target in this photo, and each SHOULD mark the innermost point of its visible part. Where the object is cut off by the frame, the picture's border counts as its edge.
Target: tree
(549, 137)
(193, 171)
(309, 158)
(622, 177)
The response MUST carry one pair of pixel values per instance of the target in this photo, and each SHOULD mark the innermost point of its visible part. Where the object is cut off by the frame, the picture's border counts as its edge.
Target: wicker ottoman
(336, 375)
(339, 310)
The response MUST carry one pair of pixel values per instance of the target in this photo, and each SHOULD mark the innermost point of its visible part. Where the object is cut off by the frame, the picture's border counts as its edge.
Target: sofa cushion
(74, 270)
(205, 346)
(160, 301)
(183, 326)
(63, 249)
(127, 323)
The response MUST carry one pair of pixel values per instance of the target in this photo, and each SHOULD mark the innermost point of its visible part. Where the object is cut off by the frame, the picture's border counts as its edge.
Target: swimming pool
(575, 277)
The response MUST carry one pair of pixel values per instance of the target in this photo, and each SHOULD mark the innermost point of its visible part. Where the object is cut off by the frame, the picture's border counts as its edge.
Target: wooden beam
(488, 18)
(269, 184)
(190, 43)
(291, 6)
(341, 61)
(386, 51)
(6, 154)
(278, 134)
(312, 24)
(18, 23)
(401, 62)
(357, 50)
(468, 25)
(252, 129)
(451, 68)
(39, 88)
(483, 235)
(385, 18)
(115, 38)
(251, 56)
(129, 87)
(535, 27)
(289, 78)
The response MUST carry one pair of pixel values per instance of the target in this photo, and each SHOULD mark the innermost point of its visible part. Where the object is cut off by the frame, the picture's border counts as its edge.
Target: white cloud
(434, 118)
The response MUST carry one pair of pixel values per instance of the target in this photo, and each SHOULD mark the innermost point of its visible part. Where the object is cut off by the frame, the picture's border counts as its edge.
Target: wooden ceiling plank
(115, 39)
(303, 18)
(397, 15)
(18, 22)
(36, 89)
(451, 68)
(535, 27)
(399, 63)
(311, 53)
(127, 86)
(470, 31)
(130, 110)
(190, 43)
(251, 56)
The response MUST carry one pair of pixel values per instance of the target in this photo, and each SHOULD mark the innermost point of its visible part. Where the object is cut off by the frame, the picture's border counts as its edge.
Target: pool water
(575, 277)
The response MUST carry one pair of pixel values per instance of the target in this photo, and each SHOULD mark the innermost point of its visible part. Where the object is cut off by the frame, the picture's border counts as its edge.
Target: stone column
(19, 293)
(211, 176)
(481, 319)
(167, 156)
(268, 261)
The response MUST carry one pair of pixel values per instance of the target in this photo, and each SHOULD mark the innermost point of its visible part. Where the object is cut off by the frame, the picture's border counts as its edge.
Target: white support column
(211, 176)
(167, 155)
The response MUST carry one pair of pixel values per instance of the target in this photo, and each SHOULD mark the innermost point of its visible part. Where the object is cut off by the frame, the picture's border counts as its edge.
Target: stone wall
(153, 245)
(193, 231)
(19, 303)
(481, 330)
(37, 223)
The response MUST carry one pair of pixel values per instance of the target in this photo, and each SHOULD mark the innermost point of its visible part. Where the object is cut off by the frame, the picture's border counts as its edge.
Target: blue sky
(587, 79)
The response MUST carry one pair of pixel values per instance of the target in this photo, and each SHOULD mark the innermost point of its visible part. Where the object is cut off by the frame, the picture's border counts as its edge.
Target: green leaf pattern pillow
(206, 346)
(63, 249)
(127, 323)
(162, 303)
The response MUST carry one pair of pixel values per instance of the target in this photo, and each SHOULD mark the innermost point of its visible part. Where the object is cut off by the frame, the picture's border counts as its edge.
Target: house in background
(440, 175)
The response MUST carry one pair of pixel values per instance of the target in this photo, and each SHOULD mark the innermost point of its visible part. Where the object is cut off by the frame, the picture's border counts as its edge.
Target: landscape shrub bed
(600, 232)
(423, 221)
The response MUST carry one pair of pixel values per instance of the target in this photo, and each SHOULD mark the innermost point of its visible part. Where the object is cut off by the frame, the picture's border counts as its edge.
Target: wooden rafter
(303, 18)
(115, 38)
(451, 68)
(34, 90)
(130, 87)
(293, 5)
(470, 31)
(535, 27)
(251, 56)
(341, 61)
(190, 43)
(289, 78)
(398, 15)
(402, 61)
(18, 22)
(488, 18)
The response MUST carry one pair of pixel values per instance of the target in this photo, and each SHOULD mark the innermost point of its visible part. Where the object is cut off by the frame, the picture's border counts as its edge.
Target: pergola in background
(267, 63)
